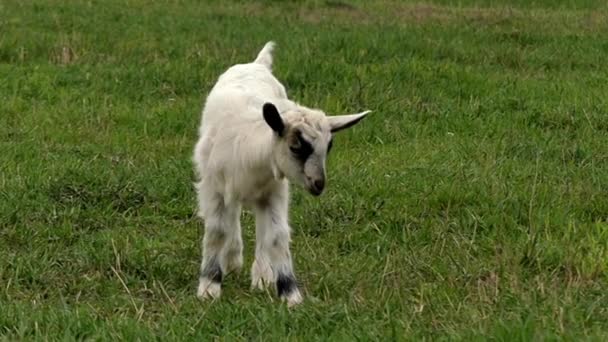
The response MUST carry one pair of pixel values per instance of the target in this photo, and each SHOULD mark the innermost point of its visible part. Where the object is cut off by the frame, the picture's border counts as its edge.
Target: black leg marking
(285, 284)
(212, 271)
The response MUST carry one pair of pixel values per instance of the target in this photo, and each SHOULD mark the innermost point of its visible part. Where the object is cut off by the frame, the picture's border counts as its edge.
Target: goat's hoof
(259, 283)
(293, 298)
(234, 265)
(261, 276)
(208, 289)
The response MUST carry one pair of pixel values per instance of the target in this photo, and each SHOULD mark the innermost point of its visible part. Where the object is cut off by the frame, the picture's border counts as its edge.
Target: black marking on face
(330, 144)
(286, 284)
(212, 271)
(301, 148)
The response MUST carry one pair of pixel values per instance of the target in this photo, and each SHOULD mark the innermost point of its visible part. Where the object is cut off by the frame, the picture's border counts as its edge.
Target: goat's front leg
(273, 263)
(222, 246)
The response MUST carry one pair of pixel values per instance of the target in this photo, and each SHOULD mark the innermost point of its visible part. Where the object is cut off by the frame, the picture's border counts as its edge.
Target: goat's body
(234, 149)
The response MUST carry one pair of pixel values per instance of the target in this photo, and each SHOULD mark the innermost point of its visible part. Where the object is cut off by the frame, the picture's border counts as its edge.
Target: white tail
(265, 56)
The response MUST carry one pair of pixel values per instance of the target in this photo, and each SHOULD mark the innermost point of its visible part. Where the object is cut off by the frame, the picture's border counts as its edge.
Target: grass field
(471, 204)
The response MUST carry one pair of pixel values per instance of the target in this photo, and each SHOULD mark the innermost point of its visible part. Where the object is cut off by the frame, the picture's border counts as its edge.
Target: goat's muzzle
(316, 186)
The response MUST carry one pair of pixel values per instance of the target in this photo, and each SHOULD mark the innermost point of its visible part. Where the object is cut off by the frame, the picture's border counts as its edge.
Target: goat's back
(243, 88)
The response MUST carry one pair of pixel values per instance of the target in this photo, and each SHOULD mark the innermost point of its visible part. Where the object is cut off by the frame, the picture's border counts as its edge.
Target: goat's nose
(319, 184)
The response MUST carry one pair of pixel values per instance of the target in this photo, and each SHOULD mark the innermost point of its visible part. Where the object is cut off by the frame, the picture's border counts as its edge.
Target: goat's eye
(296, 145)
(301, 148)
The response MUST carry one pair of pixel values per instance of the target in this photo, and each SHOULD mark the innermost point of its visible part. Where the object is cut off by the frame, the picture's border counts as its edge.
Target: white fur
(208, 289)
(240, 160)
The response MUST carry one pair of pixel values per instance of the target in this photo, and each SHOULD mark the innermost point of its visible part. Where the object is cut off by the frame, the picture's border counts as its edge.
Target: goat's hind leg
(221, 224)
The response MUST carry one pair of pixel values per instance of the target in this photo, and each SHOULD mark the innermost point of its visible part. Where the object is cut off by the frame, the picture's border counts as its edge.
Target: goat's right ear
(340, 122)
(273, 118)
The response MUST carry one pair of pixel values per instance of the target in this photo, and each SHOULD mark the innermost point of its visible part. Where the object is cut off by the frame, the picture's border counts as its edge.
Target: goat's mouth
(314, 191)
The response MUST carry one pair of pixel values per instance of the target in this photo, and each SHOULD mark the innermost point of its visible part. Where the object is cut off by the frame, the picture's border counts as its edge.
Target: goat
(252, 141)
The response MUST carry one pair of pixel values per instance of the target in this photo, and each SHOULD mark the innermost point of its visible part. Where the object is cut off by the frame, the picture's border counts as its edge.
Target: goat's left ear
(273, 118)
(340, 122)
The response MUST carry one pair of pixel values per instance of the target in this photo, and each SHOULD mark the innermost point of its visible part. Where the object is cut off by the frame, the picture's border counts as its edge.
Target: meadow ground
(471, 204)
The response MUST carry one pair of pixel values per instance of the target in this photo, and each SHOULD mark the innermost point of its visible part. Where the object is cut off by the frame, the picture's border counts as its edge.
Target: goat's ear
(340, 122)
(273, 118)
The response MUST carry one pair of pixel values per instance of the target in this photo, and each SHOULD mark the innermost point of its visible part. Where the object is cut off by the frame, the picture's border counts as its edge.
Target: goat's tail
(265, 56)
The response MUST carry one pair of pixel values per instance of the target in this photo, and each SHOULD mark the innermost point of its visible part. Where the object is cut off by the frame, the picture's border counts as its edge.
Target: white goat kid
(252, 141)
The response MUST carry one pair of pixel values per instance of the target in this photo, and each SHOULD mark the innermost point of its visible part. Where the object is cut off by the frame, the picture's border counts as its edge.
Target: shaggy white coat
(240, 160)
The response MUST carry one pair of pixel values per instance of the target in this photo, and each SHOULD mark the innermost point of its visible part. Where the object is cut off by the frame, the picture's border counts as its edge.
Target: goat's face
(304, 138)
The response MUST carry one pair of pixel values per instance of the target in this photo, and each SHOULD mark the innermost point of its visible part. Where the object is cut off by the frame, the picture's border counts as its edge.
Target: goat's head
(303, 138)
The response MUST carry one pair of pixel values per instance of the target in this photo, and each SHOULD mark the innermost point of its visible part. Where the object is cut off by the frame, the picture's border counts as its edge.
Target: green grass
(470, 205)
